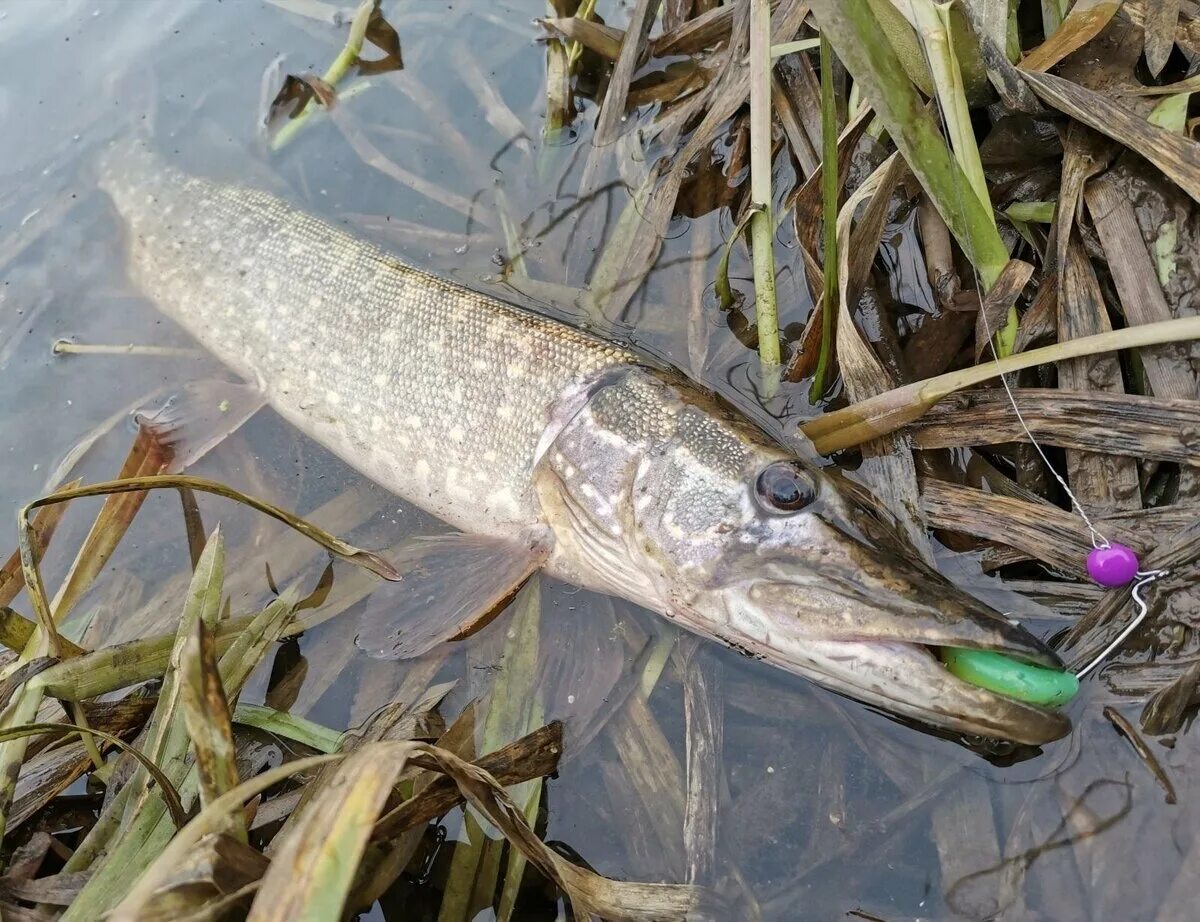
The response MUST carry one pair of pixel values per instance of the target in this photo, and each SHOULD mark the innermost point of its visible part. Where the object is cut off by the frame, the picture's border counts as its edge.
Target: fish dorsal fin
(451, 586)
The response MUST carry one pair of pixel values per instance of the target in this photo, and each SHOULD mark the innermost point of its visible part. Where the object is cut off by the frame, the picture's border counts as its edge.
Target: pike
(552, 449)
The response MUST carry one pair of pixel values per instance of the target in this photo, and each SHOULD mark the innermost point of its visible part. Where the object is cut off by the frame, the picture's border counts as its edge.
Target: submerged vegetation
(912, 198)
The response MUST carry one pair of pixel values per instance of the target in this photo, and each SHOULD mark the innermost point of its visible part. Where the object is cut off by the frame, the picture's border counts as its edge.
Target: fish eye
(783, 487)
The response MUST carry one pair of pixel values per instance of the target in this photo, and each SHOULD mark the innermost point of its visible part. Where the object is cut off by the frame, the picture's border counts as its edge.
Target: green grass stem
(872, 61)
(829, 199)
(337, 72)
(762, 224)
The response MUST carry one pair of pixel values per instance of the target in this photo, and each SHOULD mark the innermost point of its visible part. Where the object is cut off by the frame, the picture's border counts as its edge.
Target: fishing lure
(1109, 564)
(1012, 678)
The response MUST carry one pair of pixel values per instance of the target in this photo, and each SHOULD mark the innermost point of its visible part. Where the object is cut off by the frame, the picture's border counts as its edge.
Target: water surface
(828, 807)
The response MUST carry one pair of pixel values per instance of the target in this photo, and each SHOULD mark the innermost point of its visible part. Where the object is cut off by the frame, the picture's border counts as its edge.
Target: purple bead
(1112, 566)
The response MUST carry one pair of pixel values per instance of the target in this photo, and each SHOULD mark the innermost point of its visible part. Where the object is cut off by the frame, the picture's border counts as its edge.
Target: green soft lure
(1011, 678)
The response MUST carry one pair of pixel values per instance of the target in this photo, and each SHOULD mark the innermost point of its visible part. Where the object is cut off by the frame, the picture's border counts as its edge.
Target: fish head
(659, 493)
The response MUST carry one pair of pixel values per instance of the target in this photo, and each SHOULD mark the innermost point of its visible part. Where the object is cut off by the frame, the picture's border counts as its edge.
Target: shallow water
(829, 808)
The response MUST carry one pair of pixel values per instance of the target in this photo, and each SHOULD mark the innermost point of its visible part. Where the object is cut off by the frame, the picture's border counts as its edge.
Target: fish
(553, 449)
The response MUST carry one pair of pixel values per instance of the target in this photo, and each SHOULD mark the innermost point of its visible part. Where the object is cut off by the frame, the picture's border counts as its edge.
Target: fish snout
(877, 628)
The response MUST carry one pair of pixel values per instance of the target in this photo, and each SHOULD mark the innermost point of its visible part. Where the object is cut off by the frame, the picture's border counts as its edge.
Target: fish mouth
(910, 680)
(876, 635)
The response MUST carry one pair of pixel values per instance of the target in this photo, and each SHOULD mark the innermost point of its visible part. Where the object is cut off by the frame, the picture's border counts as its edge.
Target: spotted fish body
(435, 391)
(504, 423)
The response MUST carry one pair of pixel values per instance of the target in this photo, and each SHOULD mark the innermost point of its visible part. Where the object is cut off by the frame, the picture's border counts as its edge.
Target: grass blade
(148, 455)
(206, 713)
(169, 794)
(41, 532)
(167, 737)
(1086, 20)
(514, 709)
(16, 631)
(534, 755)
(348, 552)
(934, 27)
(612, 109)
(250, 645)
(1177, 156)
(142, 832)
(212, 819)
(312, 870)
(587, 892)
(722, 287)
(288, 726)
(872, 61)
(122, 665)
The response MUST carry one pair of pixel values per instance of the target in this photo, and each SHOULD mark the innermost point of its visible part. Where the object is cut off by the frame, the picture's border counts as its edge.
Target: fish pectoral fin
(197, 417)
(450, 587)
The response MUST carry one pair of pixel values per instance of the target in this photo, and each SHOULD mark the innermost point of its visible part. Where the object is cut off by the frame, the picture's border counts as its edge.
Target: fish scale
(408, 377)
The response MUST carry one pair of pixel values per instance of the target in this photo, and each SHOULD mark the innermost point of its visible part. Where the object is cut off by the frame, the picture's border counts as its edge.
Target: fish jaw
(886, 668)
(813, 597)
(650, 488)
(910, 681)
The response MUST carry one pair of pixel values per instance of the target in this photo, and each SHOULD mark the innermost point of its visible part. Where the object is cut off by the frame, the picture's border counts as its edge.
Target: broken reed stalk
(1032, 212)
(877, 416)
(762, 222)
(804, 44)
(67, 347)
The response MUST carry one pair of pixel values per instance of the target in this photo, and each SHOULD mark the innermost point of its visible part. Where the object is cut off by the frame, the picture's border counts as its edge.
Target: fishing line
(1109, 564)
